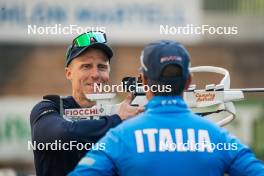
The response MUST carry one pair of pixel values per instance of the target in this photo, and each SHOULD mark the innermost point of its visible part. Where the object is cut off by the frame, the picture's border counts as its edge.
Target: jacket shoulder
(44, 107)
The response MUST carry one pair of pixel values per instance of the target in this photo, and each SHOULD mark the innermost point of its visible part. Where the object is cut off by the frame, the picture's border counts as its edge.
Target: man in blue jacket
(62, 140)
(168, 139)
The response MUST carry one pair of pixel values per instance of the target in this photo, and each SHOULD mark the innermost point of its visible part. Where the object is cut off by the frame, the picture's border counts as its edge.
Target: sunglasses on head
(87, 39)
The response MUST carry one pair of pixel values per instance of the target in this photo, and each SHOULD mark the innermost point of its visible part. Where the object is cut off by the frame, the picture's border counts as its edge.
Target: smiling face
(85, 70)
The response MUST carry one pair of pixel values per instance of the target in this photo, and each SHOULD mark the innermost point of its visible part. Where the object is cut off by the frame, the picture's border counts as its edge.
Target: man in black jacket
(66, 140)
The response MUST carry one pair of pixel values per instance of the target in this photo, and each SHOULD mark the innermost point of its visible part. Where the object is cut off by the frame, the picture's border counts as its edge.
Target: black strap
(57, 100)
(208, 113)
(53, 98)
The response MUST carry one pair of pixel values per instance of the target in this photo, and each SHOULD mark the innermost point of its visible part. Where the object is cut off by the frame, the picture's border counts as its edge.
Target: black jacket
(48, 126)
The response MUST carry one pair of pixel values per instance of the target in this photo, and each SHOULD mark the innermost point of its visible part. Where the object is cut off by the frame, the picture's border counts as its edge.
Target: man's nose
(95, 73)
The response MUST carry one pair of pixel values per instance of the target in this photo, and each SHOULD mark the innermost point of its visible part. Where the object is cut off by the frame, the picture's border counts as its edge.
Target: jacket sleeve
(242, 160)
(102, 161)
(47, 125)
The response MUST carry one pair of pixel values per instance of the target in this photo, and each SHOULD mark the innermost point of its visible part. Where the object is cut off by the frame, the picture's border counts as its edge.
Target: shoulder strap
(57, 100)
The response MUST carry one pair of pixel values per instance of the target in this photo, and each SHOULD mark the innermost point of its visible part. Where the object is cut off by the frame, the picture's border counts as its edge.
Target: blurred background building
(32, 64)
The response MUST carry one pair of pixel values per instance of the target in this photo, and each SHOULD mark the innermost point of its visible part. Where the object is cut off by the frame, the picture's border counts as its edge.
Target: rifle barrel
(252, 90)
(244, 90)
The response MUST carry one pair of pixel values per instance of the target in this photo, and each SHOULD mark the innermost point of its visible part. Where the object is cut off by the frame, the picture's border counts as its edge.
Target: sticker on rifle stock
(201, 97)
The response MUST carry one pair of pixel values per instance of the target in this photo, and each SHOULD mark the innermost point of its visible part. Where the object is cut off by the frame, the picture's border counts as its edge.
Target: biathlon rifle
(215, 102)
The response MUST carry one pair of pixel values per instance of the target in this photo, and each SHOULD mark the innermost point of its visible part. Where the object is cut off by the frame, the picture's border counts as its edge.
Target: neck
(150, 95)
(82, 100)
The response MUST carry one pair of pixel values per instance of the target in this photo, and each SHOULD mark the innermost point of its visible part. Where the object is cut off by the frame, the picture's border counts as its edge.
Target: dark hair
(170, 72)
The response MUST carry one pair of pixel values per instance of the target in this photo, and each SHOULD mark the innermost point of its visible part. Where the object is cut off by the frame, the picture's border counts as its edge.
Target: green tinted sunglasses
(86, 39)
(89, 38)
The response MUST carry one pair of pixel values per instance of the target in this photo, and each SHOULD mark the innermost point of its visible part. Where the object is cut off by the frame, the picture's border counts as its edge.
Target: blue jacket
(167, 139)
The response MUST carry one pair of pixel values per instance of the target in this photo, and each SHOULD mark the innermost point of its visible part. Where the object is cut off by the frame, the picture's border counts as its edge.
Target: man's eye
(102, 67)
(86, 66)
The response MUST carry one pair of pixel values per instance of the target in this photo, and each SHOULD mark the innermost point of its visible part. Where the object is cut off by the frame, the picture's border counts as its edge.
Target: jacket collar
(167, 104)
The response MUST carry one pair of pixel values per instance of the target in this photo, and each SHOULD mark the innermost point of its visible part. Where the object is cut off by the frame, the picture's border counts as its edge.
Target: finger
(129, 98)
(133, 108)
(141, 109)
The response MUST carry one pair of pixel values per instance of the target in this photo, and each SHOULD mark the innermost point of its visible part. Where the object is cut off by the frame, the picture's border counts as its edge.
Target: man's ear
(68, 73)
(144, 79)
(188, 82)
